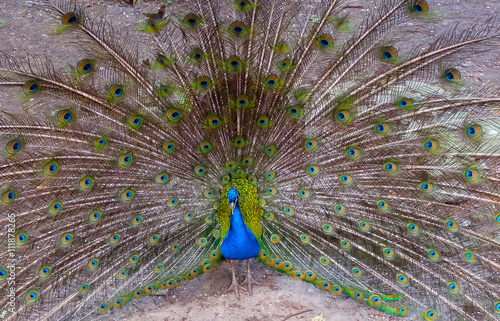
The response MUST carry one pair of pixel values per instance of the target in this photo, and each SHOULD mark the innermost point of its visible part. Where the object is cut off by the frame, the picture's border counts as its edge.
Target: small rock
(296, 305)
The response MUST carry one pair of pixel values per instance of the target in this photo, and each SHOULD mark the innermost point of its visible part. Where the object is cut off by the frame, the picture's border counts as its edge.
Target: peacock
(276, 131)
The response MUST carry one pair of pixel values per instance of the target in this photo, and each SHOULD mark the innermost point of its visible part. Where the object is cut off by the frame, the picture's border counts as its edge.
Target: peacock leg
(249, 280)
(234, 284)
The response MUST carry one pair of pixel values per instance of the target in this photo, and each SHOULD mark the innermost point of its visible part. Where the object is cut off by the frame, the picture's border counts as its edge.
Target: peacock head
(232, 197)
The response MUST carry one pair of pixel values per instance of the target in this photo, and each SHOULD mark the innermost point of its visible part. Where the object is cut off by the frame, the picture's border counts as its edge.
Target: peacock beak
(233, 205)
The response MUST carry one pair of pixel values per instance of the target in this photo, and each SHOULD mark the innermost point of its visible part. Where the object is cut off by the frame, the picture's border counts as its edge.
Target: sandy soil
(23, 28)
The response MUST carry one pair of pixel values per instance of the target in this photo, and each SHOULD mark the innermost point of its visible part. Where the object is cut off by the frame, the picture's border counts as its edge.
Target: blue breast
(239, 243)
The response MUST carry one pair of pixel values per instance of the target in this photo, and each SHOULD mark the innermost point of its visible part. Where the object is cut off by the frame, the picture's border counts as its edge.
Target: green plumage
(363, 167)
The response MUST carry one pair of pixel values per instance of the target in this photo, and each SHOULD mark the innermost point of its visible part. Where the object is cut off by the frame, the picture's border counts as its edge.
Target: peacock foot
(234, 284)
(249, 280)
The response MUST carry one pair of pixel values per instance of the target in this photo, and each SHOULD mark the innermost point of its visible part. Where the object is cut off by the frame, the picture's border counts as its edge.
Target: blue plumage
(239, 242)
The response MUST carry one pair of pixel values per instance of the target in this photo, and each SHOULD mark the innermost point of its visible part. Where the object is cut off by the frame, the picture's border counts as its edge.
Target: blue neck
(239, 243)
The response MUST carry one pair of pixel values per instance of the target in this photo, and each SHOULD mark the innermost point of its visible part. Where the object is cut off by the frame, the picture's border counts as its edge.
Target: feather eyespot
(162, 61)
(247, 161)
(275, 238)
(133, 259)
(100, 143)
(66, 239)
(135, 121)
(270, 175)
(21, 239)
(343, 116)
(336, 289)
(310, 276)
(431, 315)
(433, 255)
(200, 170)
(313, 170)
(209, 219)
(271, 191)
(471, 175)
(14, 146)
(125, 160)
(426, 187)
(238, 28)
(345, 244)
(251, 179)
(3, 274)
(203, 82)
(297, 275)
(230, 165)
(239, 142)
(116, 91)
(32, 296)
(32, 87)
(65, 117)
(383, 205)
(127, 195)
(137, 220)
(327, 228)
(213, 121)
(402, 311)
(103, 308)
(263, 122)
(389, 54)
(8, 197)
(290, 211)
(115, 238)
(234, 63)
(304, 238)
(325, 41)
(168, 147)
(173, 115)
(191, 20)
(95, 216)
(164, 91)
(413, 229)
(497, 218)
(453, 288)
(154, 238)
(208, 193)
(86, 183)
(388, 253)
(272, 81)
(173, 202)
(391, 167)
(357, 272)
(123, 274)
(420, 6)
(311, 144)
(84, 288)
(451, 225)
(382, 128)
(162, 178)
(346, 179)
(70, 19)
(353, 153)
(93, 263)
(55, 207)
(303, 193)
(375, 301)
(405, 104)
(324, 260)
(497, 307)
(325, 285)
(175, 247)
(270, 150)
(401, 279)
(44, 272)
(285, 64)
(158, 268)
(50, 168)
(364, 226)
(339, 209)
(205, 147)
(452, 75)
(469, 257)
(85, 66)
(118, 303)
(216, 234)
(432, 145)
(202, 241)
(294, 111)
(474, 132)
(188, 216)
